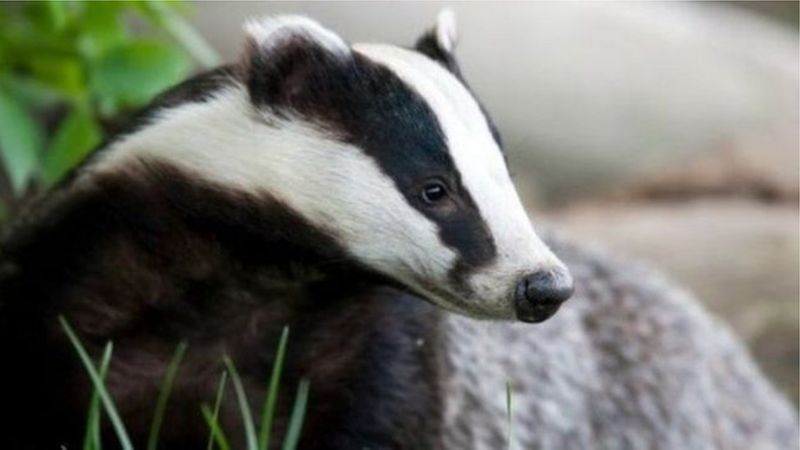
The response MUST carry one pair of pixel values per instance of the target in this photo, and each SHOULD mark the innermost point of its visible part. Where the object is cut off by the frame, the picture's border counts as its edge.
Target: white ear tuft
(271, 31)
(446, 30)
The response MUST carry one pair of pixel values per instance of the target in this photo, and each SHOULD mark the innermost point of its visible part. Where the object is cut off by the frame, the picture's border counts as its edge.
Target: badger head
(385, 150)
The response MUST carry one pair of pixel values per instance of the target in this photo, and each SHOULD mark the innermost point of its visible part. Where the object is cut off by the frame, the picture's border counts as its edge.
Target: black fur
(149, 258)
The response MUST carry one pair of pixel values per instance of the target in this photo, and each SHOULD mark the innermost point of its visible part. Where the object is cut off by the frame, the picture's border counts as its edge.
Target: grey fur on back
(630, 362)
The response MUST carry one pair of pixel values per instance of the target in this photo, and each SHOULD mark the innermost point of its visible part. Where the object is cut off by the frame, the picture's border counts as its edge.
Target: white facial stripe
(480, 163)
(333, 185)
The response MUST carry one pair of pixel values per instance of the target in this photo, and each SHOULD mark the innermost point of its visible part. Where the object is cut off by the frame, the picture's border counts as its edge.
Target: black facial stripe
(367, 105)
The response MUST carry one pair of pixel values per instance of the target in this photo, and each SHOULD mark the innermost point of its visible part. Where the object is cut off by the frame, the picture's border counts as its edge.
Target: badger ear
(440, 42)
(288, 57)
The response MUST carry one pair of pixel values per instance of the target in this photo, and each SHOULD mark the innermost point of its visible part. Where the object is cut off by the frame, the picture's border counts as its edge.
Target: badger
(358, 194)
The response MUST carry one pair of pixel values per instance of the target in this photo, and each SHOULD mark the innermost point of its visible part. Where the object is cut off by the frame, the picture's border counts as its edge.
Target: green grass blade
(244, 406)
(298, 413)
(268, 412)
(163, 396)
(508, 412)
(91, 440)
(216, 431)
(108, 403)
(217, 403)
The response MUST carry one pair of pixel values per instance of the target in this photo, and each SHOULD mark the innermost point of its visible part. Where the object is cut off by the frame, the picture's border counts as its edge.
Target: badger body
(282, 191)
(632, 361)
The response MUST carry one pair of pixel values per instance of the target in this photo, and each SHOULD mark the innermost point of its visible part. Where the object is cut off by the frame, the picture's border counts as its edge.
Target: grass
(296, 421)
(92, 439)
(256, 439)
(244, 406)
(268, 412)
(163, 396)
(215, 433)
(99, 387)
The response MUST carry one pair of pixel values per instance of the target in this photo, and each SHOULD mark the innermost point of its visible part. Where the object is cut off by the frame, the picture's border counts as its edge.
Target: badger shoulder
(632, 361)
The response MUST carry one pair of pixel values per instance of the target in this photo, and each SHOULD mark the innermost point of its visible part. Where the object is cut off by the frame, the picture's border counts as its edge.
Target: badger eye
(433, 192)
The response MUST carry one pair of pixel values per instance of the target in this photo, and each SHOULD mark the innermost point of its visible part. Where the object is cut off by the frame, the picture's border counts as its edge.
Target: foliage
(68, 68)
(100, 395)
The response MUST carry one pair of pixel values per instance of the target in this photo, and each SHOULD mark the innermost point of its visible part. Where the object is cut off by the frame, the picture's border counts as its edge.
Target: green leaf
(64, 73)
(30, 91)
(20, 142)
(34, 55)
(298, 414)
(44, 17)
(56, 13)
(268, 411)
(163, 396)
(76, 136)
(130, 74)
(103, 28)
(97, 381)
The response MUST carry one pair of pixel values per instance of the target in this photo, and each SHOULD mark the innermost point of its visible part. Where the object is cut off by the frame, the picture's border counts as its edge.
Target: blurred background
(665, 132)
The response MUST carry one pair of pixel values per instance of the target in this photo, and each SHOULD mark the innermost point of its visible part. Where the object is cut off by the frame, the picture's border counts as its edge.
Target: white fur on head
(271, 31)
(446, 30)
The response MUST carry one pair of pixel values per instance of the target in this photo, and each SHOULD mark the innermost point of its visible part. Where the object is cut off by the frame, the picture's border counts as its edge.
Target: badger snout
(539, 295)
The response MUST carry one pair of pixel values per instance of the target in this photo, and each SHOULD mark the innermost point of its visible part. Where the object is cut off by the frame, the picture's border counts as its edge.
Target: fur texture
(630, 362)
(148, 258)
(283, 191)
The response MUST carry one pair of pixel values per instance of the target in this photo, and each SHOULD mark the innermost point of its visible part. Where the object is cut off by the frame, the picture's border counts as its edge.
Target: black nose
(538, 296)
